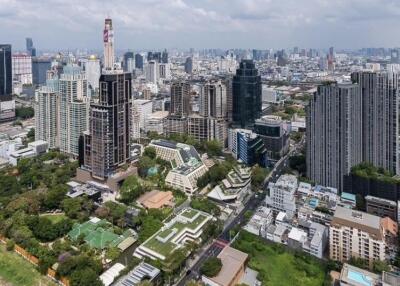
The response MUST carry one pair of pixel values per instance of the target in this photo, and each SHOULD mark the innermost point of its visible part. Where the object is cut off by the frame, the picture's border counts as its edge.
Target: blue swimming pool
(359, 278)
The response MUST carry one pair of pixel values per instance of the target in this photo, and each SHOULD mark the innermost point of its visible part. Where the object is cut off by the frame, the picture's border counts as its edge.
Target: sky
(158, 24)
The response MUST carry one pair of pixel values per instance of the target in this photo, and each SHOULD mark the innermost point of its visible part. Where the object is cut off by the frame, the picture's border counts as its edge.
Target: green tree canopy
(211, 267)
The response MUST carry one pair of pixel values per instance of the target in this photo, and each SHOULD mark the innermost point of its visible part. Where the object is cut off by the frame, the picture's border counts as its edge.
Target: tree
(130, 190)
(144, 164)
(298, 163)
(54, 197)
(85, 277)
(150, 152)
(112, 253)
(205, 205)
(258, 175)
(31, 134)
(10, 245)
(24, 112)
(149, 226)
(211, 267)
(379, 266)
(72, 207)
(360, 202)
(213, 148)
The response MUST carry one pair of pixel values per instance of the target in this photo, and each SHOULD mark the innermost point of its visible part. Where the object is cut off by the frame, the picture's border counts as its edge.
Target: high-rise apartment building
(180, 99)
(334, 133)
(213, 99)
(5, 73)
(246, 94)
(380, 118)
(93, 70)
(22, 68)
(355, 234)
(108, 39)
(47, 110)
(164, 57)
(74, 108)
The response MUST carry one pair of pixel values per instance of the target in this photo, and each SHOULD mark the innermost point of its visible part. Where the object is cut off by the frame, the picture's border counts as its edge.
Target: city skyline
(200, 24)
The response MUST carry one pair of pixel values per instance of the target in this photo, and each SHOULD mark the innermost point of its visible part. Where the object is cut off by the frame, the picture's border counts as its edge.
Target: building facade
(74, 108)
(22, 68)
(246, 94)
(380, 118)
(333, 133)
(180, 99)
(356, 234)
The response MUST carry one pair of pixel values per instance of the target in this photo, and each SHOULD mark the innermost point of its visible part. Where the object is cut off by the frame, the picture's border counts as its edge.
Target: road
(224, 238)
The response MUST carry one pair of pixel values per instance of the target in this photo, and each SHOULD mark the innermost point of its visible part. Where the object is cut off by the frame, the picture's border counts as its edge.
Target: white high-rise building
(108, 39)
(141, 109)
(93, 70)
(152, 72)
(47, 116)
(22, 68)
(74, 108)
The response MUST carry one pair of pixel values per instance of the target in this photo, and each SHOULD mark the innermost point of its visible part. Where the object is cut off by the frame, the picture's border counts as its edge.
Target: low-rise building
(233, 269)
(381, 207)
(156, 199)
(186, 226)
(260, 221)
(143, 271)
(282, 195)
(34, 149)
(234, 187)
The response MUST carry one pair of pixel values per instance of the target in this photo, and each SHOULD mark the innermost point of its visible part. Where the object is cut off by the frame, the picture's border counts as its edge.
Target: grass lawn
(54, 217)
(18, 272)
(276, 266)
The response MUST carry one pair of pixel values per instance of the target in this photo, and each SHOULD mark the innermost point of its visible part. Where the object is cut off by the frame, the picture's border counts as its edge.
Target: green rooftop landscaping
(368, 171)
(166, 248)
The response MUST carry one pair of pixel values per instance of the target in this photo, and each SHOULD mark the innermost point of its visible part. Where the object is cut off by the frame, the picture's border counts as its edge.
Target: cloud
(202, 23)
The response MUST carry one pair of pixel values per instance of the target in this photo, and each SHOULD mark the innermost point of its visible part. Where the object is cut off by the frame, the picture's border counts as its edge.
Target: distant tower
(108, 38)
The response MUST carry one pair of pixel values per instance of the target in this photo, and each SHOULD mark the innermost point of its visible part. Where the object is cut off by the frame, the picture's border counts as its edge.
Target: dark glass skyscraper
(139, 61)
(107, 143)
(40, 66)
(246, 94)
(127, 56)
(5, 73)
(164, 57)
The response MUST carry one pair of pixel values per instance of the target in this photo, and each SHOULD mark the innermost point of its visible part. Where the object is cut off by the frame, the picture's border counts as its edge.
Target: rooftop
(156, 199)
(361, 220)
(232, 261)
(165, 241)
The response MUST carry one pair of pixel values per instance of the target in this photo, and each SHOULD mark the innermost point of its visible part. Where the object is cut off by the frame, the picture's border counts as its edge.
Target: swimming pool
(359, 278)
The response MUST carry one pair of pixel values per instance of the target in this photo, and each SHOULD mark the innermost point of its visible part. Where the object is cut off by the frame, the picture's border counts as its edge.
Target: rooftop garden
(368, 171)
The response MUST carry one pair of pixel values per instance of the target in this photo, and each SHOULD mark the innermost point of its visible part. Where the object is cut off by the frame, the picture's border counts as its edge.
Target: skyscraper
(246, 94)
(128, 61)
(139, 61)
(5, 73)
(47, 109)
(40, 66)
(152, 72)
(108, 39)
(106, 146)
(74, 105)
(334, 133)
(93, 70)
(164, 57)
(380, 116)
(30, 48)
(189, 65)
(180, 99)
(213, 99)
